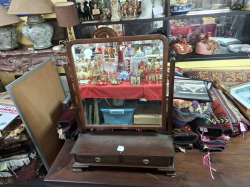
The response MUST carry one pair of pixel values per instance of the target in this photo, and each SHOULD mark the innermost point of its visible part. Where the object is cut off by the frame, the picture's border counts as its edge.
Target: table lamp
(8, 33)
(38, 32)
(66, 16)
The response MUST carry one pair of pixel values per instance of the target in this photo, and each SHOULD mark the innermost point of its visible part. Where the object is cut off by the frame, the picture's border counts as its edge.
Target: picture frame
(190, 89)
(242, 94)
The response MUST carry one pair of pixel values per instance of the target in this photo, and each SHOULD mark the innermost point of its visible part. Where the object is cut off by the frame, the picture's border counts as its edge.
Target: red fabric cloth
(122, 91)
(212, 27)
(183, 31)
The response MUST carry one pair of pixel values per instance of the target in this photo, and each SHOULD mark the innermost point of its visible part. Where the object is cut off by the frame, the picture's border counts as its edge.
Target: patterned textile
(218, 144)
(15, 162)
(67, 119)
(25, 147)
(178, 71)
(230, 77)
(178, 148)
(24, 173)
(68, 132)
(13, 135)
(211, 124)
(187, 111)
(226, 113)
(184, 135)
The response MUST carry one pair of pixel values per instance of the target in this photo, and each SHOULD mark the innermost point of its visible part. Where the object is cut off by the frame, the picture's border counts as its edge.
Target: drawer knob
(145, 161)
(98, 159)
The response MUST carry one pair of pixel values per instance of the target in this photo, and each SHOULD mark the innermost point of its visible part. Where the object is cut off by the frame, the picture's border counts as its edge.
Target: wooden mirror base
(141, 150)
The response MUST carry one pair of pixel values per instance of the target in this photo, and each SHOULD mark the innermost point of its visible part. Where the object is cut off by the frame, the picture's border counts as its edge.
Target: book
(7, 115)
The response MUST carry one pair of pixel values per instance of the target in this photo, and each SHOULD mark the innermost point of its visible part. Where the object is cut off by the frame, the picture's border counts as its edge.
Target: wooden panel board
(39, 98)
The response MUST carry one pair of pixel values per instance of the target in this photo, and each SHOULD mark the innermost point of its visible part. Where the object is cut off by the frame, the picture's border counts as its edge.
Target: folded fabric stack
(216, 124)
(228, 115)
(210, 131)
(16, 152)
(185, 112)
(67, 126)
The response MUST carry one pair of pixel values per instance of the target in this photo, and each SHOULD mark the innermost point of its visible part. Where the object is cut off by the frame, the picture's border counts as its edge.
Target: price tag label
(203, 129)
(96, 11)
(158, 10)
(242, 127)
(120, 148)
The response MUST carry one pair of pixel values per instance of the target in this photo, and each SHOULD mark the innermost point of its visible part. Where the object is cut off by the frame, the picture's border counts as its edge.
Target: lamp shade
(66, 14)
(6, 19)
(24, 7)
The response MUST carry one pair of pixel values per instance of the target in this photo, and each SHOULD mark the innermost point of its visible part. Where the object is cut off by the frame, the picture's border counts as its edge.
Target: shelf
(210, 13)
(196, 57)
(192, 14)
(124, 22)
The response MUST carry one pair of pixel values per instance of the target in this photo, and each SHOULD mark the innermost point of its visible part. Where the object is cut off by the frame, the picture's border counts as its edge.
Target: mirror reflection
(120, 83)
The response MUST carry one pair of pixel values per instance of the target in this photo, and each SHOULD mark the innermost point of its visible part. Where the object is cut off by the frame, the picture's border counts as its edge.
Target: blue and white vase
(38, 32)
(148, 50)
(8, 37)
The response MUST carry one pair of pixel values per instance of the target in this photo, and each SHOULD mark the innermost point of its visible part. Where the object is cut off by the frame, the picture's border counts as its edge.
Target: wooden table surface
(232, 165)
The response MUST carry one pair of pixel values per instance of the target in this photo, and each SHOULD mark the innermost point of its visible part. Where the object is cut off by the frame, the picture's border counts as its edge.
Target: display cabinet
(118, 87)
(218, 17)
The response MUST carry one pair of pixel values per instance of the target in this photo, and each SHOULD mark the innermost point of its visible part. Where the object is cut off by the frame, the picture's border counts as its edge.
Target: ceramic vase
(146, 9)
(39, 33)
(8, 37)
(158, 3)
(115, 10)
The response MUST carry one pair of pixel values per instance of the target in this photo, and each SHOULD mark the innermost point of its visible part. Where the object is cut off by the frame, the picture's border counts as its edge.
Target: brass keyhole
(145, 161)
(97, 159)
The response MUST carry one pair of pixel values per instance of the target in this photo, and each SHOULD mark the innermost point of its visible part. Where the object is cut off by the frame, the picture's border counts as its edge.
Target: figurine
(94, 81)
(195, 37)
(147, 7)
(106, 15)
(159, 3)
(96, 12)
(87, 13)
(135, 79)
(113, 80)
(115, 10)
(80, 13)
(123, 76)
(149, 80)
(129, 9)
(91, 7)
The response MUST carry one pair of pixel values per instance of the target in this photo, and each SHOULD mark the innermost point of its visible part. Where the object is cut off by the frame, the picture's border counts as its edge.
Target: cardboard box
(208, 20)
(147, 119)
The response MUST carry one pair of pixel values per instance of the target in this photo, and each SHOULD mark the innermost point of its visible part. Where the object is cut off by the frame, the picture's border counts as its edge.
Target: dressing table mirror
(121, 96)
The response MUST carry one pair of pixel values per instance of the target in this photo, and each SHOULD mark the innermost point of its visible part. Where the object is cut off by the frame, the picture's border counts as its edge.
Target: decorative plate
(104, 32)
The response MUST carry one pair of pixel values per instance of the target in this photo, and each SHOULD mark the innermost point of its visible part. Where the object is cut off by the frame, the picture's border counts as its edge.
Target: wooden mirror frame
(164, 82)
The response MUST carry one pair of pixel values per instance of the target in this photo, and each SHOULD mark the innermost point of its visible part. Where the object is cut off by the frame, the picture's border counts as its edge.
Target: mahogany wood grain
(135, 144)
(72, 94)
(232, 165)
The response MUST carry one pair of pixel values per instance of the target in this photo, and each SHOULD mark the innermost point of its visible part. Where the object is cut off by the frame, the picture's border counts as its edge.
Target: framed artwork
(209, 83)
(191, 90)
(242, 94)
